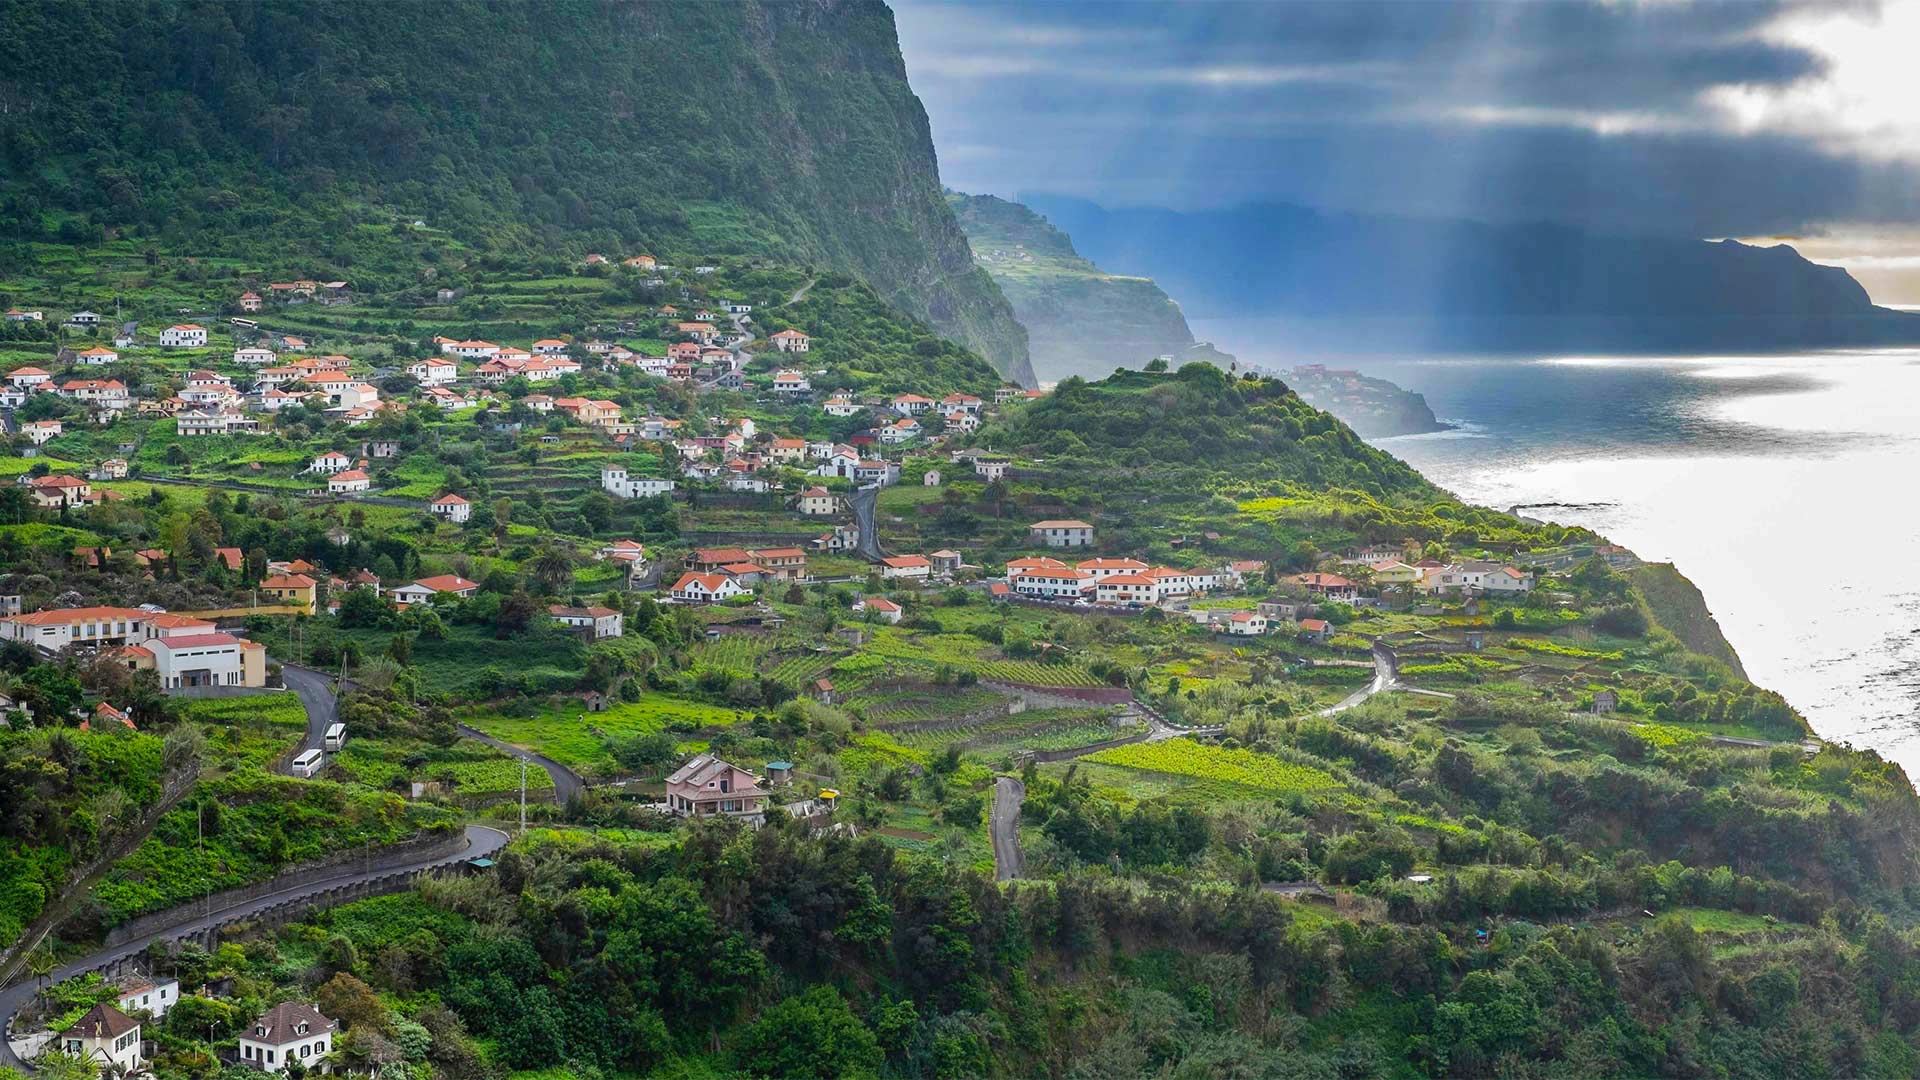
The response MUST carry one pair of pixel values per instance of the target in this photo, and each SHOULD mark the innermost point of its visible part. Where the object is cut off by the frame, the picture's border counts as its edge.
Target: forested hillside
(294, 129)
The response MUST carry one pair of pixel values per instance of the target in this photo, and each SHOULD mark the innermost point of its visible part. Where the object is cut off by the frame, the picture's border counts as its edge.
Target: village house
(288, 1032)
(1315, 630)
(27, 377)
(1049, 583)
(292, 589)
(840, 405)
(960, 405)
(1395, 572)
(549, 347)
(876, 471)
(1326, 586)
(1061, 533)
(604, 622)
(426, 590)
(107, 1039)
(451, 507)
(791, 341)
(155, 997)
(54, 492)
(843, 538)
(40, 432)
(254, 356)
(903, 430)
(782, 563)
(698, 588)
(434, 371)
(110, 469)
(85, 320)
(792, 383)
(911, 404)
(183, 336)
(818, 502)
(51, 631)
(990, 469)
(906, 568)
(249, 301)
(349, 482)
(1126, 589)
(471, 350)
(1246, 624)
(1477, 577)
(195, 424)
(880, 608)
(615, 481)
(448, 400)
(331, 462)
(17, 315)
(1105, 568)
(946, 562)
(707, 786)
(97, 356)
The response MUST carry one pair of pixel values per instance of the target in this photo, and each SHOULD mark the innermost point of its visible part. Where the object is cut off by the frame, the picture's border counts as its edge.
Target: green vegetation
(788, 140)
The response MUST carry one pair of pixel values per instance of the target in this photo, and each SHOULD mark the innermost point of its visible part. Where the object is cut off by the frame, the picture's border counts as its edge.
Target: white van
(336, 737)
(308, 763)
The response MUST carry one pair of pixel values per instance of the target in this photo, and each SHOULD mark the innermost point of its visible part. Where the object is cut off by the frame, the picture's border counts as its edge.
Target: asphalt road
(566, 783)
(863, 500)
(481, 841)
(1386, 676)
(316, 692)
(1008, 861)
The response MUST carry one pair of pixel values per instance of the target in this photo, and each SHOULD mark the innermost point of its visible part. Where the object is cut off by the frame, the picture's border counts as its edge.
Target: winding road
(567, 784)
(481, 841)
(316, 691)
(1008, 861)
(863, 501)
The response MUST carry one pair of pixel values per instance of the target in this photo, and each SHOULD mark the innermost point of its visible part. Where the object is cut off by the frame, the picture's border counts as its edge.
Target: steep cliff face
(1080, 319)
(779, 129)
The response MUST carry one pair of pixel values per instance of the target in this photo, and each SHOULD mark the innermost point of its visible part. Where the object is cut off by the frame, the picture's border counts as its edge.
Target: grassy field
(563, 730)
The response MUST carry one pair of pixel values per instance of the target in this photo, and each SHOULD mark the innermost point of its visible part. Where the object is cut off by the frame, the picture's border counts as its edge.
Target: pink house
(707, 786)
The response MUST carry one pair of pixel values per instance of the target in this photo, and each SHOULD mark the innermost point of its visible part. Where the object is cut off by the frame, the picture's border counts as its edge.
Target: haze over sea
(1781, 485)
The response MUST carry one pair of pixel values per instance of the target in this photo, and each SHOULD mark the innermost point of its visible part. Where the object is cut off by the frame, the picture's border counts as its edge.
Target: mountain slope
(1080, 319)
(1357, 282)
(780, 129)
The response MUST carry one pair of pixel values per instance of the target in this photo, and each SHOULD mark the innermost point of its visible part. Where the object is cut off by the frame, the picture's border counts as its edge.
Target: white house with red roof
(818, 502)
(1049, 583)
(288, 1032)
(1061, 533)
(471, 350)
(426, 590)
(216, 659)
(96, 356)
(451, 507)
(1105, 568)
(549, 347)
(605, 622)
(1126, 589)
(790, 382)
(698, 588)
(184, 336)
(349, 482)
(434, 371)
(616, 481)
(331, 462)
(1246, 624)
(40, 432)
(911, 404)
(840, 405)
(791, 341)
(53, 492)
(255, 356)
(881, 608)
(27, 377)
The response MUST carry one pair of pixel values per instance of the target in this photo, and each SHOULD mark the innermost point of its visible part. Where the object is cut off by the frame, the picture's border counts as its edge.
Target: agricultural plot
(563, 730)
(920, 704)
(467, 768)
(961, 652)
(1202, 762)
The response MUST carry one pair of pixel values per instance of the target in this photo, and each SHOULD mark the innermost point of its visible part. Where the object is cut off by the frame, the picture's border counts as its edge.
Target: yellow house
(1395, 573)
(292, 589)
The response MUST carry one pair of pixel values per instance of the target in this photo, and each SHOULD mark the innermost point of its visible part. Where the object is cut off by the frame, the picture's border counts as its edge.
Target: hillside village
(683, 565)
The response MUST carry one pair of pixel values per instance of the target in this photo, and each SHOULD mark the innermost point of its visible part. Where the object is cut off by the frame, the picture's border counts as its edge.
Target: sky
(1765, 121)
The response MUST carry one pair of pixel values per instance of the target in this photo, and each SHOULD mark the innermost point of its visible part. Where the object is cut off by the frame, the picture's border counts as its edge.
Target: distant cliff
(280, 130)
(1080, 319)
(1356, 283)
(1373, 408)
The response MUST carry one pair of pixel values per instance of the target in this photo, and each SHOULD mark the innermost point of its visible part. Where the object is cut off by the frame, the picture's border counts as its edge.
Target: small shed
(823, 691)
(1476, 640)
(779, 773)
(1605, 701)
(932, 478)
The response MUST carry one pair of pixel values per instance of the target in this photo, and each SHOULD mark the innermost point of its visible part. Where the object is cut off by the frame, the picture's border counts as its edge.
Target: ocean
(1783, 486)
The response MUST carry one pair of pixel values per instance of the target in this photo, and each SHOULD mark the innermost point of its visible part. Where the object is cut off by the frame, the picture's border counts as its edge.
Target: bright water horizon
(1773, 482)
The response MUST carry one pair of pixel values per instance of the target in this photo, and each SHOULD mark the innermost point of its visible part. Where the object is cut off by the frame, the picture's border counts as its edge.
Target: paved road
(481, 841)
(1386, 676)
(1008, 861)
(566, 783)
(863, 501)
(316, 691)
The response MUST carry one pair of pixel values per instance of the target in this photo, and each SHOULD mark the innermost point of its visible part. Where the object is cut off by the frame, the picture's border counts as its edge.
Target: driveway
(481, 841)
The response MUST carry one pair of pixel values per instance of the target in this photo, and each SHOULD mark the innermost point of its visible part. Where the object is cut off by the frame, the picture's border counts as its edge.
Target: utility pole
(523, 796)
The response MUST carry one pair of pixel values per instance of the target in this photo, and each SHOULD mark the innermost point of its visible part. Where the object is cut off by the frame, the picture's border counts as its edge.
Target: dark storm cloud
(1599, 113)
